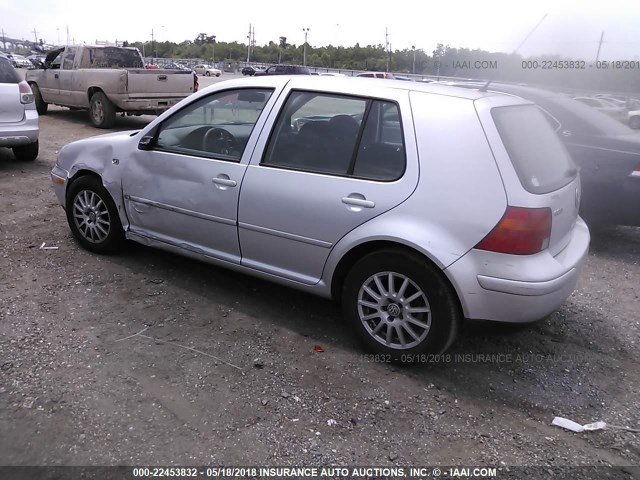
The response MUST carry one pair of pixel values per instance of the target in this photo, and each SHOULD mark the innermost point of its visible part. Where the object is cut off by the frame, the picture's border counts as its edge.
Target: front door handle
(226, 182)
(56, 75)
(358, 202)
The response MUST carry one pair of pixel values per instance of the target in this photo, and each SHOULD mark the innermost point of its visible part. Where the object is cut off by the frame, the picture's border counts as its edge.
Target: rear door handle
(224, 181)
(358, 202)
(56, 75)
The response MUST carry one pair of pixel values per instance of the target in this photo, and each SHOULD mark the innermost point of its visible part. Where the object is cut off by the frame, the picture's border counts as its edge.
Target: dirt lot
(232, 376)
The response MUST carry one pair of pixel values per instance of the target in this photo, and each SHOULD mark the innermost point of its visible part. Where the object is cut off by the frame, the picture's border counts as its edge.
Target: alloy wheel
(394, 310)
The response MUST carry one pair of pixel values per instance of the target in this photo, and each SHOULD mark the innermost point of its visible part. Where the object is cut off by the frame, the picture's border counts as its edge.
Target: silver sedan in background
(414, 205)
(19, 128)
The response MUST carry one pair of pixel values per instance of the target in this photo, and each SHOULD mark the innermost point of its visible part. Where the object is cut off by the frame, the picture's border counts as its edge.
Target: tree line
(444, 61)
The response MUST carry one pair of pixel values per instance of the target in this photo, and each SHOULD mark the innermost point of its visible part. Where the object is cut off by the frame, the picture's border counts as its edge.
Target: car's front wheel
(400, 305)
(634, 122)
(93, 217)
(41, 105)
(208, 74)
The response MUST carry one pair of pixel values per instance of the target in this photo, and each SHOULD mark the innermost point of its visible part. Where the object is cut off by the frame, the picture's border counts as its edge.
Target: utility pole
(153, 44)
(387, 46)
(35, 34)
(213, 50)
(599, 47)
(249, 45)
(4, 42)
(253, 39)
(413, 48)
(282, 44)
(68, 35)
(304, 54)
(58, 30)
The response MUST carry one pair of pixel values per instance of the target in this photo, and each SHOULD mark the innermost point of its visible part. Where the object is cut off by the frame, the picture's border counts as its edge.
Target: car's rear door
(324, 165)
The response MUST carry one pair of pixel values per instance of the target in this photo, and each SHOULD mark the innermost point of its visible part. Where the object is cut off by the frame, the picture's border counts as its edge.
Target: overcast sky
(571, 28)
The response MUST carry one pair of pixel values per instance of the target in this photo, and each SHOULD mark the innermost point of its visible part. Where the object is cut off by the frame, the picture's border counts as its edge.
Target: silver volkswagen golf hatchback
(414, 205)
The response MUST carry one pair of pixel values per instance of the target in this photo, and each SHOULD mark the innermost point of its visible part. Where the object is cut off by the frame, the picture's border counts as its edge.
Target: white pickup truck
(106, 80)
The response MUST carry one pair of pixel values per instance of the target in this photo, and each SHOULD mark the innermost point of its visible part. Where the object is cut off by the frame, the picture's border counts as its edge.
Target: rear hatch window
(540, 159)
(8, 74)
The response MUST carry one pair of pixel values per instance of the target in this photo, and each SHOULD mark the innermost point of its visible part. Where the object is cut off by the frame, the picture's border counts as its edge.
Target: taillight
(635, 172)
(26, 95)
(521, 231)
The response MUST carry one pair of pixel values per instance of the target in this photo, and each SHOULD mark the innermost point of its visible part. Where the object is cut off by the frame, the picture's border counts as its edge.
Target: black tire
(207, 74)
(41, 105)
(442, 318)
(88, 190)
(27, 153)
(634, 122)
(101, 111)
(217, 74)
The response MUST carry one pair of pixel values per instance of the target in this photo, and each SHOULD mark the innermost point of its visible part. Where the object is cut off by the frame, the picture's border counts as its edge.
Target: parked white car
(352, 189)
(207, 70)
(19, 129)
(605, 106)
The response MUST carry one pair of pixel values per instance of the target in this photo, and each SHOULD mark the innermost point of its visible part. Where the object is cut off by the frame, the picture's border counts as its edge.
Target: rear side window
(8, 74)
(542, 163)
(338, 135)
(381, 155)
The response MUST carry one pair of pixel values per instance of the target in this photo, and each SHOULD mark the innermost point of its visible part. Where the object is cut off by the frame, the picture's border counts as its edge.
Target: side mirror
(146, 142)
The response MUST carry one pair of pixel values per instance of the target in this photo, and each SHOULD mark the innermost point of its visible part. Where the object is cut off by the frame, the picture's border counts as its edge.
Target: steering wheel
(224, 142)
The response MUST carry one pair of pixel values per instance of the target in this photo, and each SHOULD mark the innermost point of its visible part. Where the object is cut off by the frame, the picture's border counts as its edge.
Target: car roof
(372, 86)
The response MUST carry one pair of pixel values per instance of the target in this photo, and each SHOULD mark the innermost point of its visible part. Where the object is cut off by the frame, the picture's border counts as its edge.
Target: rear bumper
(513, 288)
(150, 105)
(19, 133)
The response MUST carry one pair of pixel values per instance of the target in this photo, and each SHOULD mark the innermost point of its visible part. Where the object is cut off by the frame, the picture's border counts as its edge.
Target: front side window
(217, 126)
(338, 135)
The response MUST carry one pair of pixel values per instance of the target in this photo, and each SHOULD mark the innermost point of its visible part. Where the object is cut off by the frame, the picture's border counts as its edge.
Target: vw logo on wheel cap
(394, 310)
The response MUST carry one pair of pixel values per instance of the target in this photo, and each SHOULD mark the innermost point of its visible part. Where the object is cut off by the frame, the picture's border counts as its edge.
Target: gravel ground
(225, 370)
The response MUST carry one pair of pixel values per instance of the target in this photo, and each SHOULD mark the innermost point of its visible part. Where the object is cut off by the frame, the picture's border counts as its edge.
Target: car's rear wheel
(93, 217)
(400, 305)
(634, 122)
(41, 105)
(27, 153)
(217, 74)
(101, 111)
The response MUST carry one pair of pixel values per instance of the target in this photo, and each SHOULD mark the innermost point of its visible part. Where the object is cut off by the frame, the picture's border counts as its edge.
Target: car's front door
(331, 163)
(49, 82)
(181, 186)
(65, 75)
